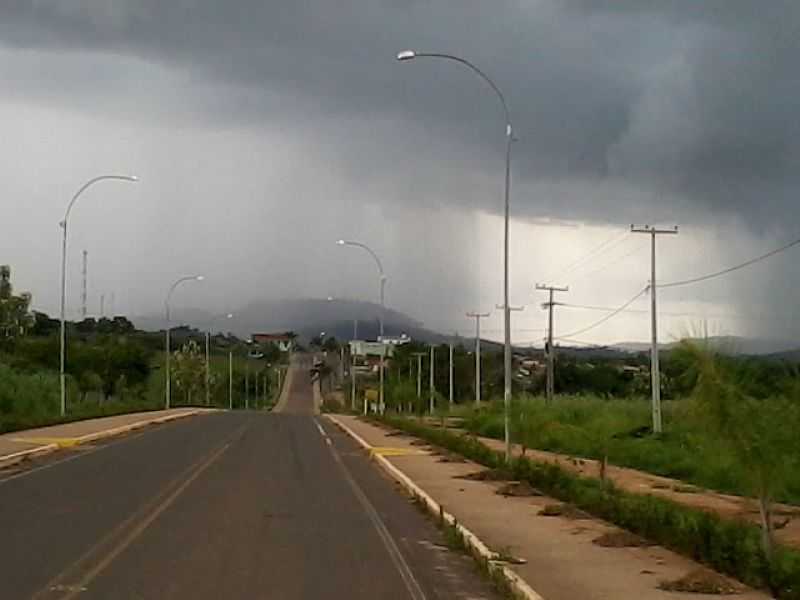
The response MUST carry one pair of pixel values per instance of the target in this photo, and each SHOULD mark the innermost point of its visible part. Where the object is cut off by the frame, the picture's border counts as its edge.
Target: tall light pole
(411, 54)
(168, 390)
(63, 225)
(382, 279)
(208, 359)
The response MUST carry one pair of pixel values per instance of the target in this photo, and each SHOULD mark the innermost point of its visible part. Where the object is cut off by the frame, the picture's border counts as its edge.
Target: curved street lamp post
(382, 279)
(167, 375)
(407, 55)
(63, 225)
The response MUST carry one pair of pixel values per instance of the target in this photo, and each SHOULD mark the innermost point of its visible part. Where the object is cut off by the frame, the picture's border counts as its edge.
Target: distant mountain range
(308, 317)
(728, 344)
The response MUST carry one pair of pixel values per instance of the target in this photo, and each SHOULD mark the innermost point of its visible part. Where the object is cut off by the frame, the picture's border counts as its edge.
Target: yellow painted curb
(389, 451)
(60, 442)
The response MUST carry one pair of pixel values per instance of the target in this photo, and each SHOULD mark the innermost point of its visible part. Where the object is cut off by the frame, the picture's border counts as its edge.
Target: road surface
(230, 505)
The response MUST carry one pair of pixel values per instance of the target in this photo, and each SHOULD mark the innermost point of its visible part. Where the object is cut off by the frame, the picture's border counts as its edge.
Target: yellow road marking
(60, 442)
(389, 451)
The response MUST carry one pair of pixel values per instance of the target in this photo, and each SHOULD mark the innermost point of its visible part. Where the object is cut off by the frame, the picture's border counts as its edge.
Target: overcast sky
(263, 131)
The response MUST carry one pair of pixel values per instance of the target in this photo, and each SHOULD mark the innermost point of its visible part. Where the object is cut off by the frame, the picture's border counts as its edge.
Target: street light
(166, 307)
(407, 55)
(382, 279)
(208, 359)
(63, 225)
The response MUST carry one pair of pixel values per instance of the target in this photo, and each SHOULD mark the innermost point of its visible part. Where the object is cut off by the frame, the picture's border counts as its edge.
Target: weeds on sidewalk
(731, 547)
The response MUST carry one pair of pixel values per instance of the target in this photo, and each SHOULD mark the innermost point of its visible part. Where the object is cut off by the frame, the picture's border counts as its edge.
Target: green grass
(586, 426)
(730, 546)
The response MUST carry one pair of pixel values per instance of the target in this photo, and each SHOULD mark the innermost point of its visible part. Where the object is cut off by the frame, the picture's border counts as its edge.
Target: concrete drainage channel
(479, 551)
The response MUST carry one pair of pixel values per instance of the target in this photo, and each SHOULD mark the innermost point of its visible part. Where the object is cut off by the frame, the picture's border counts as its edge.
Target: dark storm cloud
(692, 99)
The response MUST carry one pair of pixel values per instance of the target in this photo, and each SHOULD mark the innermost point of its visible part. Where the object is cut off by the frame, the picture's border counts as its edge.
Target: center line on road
(151, 513)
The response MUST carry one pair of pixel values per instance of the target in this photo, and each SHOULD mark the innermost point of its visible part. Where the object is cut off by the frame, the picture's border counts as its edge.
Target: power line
(639, 311)
(616, 260)
(604, 246)
(607, 317)
(733, 268)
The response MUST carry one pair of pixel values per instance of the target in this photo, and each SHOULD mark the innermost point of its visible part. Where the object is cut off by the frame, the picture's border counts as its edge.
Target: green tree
(759, 432)
(189, 370)
(15, 317)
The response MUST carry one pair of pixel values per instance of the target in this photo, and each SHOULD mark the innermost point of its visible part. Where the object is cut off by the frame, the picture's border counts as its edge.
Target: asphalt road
(231, 505)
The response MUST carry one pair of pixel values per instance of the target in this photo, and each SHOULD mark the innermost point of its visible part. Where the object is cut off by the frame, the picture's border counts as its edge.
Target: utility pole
(246, 383)
(419, 356)
(477, 317)
(83, 289)
(355, 329)
(352, 382)
(112, 304)
(451, 376)
(102, 306)
(655, 378)
(230, 378)
(550, 352)
(432, 385)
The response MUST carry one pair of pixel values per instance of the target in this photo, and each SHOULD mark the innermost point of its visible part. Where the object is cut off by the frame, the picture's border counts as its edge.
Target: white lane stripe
(412, 585)
(320, 429)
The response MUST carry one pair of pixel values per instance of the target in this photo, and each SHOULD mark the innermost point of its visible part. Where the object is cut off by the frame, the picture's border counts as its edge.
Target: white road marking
(412, 585)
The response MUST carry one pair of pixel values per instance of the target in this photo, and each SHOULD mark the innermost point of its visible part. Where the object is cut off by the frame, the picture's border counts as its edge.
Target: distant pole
(477, 317)
(102, 306)
(451, 375)
(655, 378)
(550, 350)
(432, 385)
(230, 379)
(352, 380)
(381, 404)
(113, 297)
(208, 369)
(419, 356)
(355, 329)
(83, 288)
(246, 383)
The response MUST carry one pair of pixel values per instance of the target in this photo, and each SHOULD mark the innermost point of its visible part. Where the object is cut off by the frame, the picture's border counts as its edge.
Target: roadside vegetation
(733, 429)
(114, 368)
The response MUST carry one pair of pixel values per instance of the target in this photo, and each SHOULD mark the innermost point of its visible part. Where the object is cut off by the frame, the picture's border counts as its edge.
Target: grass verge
(731, 547)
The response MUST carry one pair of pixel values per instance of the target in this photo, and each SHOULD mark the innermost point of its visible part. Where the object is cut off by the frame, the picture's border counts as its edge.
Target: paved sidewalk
(562, 562)
(20, 444)
(641, 482)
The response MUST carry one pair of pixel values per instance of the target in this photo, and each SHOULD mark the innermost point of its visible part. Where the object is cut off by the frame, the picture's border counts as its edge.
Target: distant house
(283, 341)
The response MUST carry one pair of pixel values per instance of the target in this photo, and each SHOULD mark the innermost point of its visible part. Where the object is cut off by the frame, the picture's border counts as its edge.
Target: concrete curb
(283, 397)
(9, 459)
(477, 548)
